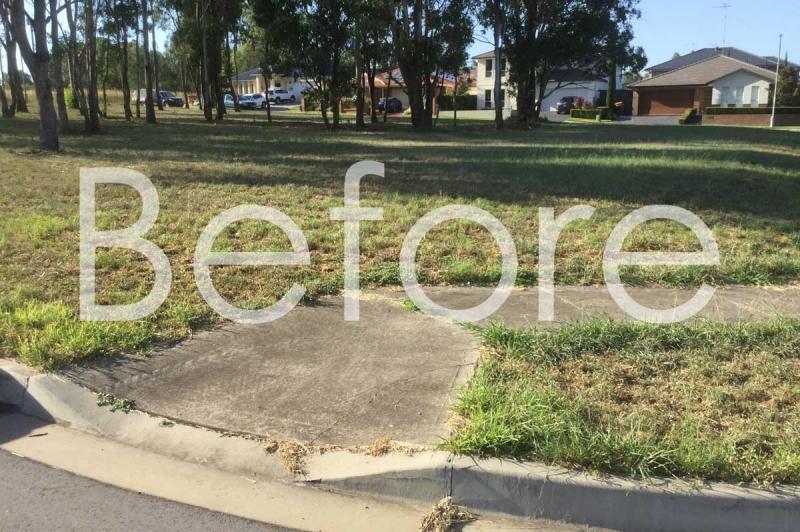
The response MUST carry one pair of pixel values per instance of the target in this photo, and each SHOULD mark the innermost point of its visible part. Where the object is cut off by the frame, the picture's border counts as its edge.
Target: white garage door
(549, 103)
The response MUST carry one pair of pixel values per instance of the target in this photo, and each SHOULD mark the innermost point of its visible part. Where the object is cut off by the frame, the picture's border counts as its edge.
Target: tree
(18, 102)
(372, 49)
(8, 111)
(58, 66)
(631, 76)
(547, 35)
(788, 87)
(494, 14)
(77, 71)
(424, 33)
(150, 112)
(37, 58)
(92, 117)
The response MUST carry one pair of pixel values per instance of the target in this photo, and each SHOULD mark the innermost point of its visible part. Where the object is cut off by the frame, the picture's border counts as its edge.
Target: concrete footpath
(315, 378)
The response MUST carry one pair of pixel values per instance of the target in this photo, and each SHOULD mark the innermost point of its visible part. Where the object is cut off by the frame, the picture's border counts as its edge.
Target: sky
(669, 26)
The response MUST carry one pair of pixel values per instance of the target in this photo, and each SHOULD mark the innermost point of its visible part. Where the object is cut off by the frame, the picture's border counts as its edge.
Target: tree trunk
(18, 102)
(184, 85)
(359, 89)
(123, 74)
(37, 58)
(373, 105)
(92, 119)
(75, 68)
(8, 110)
(4, 102)
(138, 72)
(498, 57)
(159, 100)
(229, 73)
(206, 85)
(611, 93)
(150, 111)
(58, 74)
(105, 78)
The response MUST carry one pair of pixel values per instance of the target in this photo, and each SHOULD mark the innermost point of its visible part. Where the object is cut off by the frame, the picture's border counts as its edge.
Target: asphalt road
(36, 497)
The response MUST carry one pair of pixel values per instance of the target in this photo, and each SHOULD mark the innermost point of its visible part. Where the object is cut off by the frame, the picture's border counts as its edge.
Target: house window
(754, 96)
(489, 68)
(502, 67)
(488, 99)
(502, 97)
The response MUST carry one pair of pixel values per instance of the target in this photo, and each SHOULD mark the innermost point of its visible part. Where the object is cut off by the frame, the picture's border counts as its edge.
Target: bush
(72, 100)
(689, 116)
(465, 102)
(591, 114)
(751, 110)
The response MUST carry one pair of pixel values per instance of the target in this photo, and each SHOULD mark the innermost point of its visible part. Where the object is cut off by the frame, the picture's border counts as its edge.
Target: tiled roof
(702, 73)
(708, 53)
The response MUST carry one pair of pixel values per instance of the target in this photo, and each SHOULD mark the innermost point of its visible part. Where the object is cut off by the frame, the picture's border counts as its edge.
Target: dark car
(565, 104)
(170, 100)
(390, 105)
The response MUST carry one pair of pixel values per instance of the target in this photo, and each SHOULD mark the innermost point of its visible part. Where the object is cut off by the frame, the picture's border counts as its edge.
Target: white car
(281, 96)
(258, 97)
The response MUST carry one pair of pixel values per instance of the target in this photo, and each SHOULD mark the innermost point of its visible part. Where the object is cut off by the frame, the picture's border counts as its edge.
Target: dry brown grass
(445, 517)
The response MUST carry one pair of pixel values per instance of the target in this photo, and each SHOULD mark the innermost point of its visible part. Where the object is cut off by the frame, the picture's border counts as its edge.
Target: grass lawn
(703, 401)
(745, 183)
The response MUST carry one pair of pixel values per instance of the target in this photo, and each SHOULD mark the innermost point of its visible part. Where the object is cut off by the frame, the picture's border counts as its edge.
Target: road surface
(37, 497)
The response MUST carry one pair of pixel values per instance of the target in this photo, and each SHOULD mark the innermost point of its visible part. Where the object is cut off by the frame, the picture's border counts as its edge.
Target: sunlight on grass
(744, 183)
(702, 400)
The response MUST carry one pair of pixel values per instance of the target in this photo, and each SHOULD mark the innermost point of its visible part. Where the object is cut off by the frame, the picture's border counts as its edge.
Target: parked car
(280, 96)
(565, 104)
(245, 101)
(390, 105)
(168, 98)
(258, 97)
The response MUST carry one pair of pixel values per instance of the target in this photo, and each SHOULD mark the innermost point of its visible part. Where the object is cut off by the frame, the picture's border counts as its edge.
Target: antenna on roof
(724, 8)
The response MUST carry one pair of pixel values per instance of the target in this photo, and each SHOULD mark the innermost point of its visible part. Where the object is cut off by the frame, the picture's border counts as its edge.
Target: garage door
(665, 102)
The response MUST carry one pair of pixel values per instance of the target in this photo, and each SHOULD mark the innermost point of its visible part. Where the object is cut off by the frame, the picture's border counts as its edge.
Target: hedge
(591, 114)
(751, 110)
(465, 102)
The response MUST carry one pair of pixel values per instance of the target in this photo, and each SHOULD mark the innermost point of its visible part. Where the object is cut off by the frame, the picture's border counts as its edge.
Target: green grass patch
(701, 400)
(744, 183)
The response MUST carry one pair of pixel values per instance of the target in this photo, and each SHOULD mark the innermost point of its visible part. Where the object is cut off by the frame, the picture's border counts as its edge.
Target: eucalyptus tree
(371, 48)
(58, 67)
(544, 36)
(36, 54)
(426, 35)
(18, 100)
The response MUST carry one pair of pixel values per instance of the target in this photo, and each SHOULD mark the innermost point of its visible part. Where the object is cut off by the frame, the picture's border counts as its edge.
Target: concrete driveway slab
(309, 376)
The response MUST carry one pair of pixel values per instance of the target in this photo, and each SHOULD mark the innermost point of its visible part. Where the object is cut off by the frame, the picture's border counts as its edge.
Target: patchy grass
(708, 401)
(745, 183)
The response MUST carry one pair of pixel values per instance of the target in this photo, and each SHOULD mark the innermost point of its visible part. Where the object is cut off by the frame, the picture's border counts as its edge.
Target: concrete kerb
(490, 486)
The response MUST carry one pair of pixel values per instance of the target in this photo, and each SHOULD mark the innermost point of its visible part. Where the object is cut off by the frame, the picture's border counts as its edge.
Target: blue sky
(669, 26)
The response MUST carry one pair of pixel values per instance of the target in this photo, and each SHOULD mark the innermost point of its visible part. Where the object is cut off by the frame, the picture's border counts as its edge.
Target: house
(703, 54)
(252, 81)
(566, 81)
(718, 80)
(391, 84)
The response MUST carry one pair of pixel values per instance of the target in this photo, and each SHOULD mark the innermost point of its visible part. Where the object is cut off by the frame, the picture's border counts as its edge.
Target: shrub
(689, 116)
(72, 100)
(751, 110)
(591, 114)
